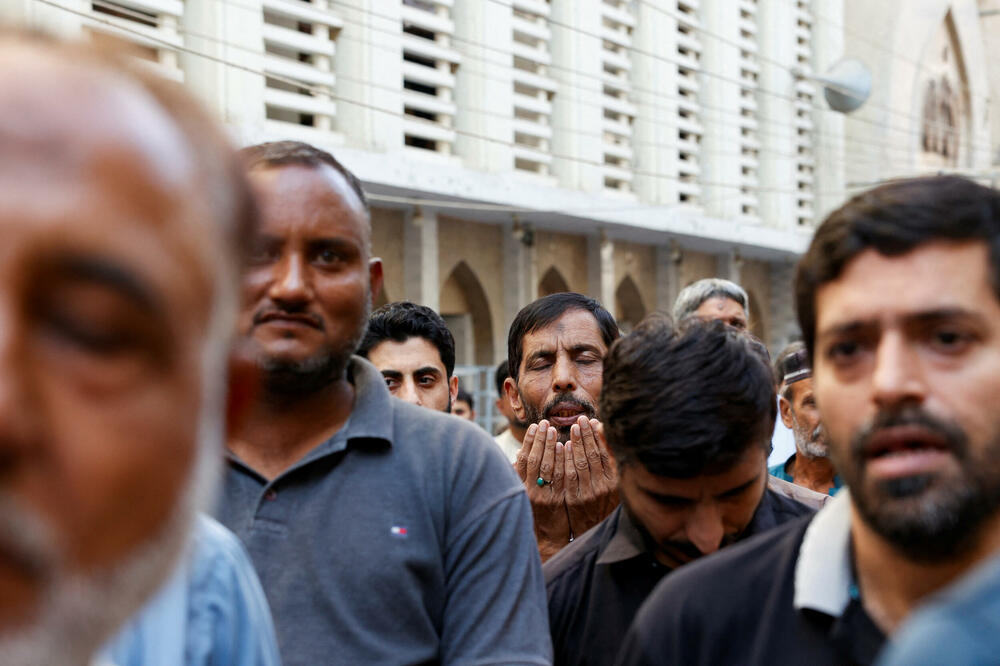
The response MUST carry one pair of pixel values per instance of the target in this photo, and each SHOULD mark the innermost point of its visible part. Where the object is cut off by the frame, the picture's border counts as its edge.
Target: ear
(514, 398)
(785, 409)
(243, 386)
(453, 388)
(375, 277)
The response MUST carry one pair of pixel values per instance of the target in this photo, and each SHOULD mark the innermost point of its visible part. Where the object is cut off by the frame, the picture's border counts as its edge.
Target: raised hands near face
(541, 466)
(571, 486)
(591, 481)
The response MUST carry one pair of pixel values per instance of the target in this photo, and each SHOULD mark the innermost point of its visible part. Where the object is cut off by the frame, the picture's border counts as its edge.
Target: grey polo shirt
(406, 538)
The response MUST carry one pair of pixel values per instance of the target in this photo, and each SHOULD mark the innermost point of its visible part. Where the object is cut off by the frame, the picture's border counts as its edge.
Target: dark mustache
(260, 315)
(569, 401)
(951, 433)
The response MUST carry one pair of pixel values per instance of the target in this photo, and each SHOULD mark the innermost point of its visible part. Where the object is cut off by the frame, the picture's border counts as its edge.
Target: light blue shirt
(211, 611)
(960, 625)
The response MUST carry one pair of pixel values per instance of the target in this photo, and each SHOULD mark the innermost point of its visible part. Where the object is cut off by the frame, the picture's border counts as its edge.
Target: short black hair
(502, 374)
(546, 310)
(283, 153)
(894, 219)
(686, 402)
(466, 397)
(404, 320)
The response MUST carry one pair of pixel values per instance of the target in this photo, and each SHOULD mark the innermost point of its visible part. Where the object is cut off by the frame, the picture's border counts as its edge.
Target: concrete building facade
(620, 148)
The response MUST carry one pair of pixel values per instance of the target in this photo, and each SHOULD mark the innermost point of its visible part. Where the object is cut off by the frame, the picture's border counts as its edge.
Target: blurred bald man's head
(121, 213)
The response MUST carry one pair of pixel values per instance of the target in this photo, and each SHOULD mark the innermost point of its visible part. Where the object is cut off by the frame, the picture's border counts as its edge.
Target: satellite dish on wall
(846, 85)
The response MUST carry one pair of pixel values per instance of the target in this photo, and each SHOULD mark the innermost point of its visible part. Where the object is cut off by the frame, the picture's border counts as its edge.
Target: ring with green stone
(541, 482)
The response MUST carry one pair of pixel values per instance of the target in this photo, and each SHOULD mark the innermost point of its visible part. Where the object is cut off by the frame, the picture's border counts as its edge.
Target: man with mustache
(810, 465)
(123, 214)
(555, 354)
(689, 416)
(383, 532)
(898, 304)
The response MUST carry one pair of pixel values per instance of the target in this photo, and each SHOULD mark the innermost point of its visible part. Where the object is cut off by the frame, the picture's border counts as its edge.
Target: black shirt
(596, 584)
(736, 607)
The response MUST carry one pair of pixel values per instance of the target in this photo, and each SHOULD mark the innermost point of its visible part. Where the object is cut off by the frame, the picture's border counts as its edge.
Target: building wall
(696, 266)
(408, 96)
(902, 41)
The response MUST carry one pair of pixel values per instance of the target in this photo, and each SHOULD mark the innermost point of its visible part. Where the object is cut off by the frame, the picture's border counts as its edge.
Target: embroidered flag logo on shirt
(397, 531)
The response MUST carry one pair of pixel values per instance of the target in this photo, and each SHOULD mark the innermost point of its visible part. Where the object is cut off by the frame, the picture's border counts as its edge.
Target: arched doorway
(465, 308)
(629, 309)
(552, 282)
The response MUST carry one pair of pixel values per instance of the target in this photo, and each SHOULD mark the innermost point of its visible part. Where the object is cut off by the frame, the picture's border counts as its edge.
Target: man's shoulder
(219, 562)
(453, 461)
(582, 553)
(410, 420)
(436, 435)
(789, 501)
(742, 573)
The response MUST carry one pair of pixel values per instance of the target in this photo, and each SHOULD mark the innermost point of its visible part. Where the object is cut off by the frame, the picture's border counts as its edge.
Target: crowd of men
(186, 331)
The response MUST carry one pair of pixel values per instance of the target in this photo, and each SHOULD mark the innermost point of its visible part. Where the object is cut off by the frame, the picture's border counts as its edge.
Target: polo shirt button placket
(271, 495)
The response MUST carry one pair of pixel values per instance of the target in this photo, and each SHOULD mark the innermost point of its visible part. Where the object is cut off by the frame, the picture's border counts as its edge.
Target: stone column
(519, 273)
(728, 266)
(668, 276)
(776, 25)
(577, 113)
(228, 32)
(720, 96)
(784, 326)
(484, 83)
(654, 89)
(420, 258)
(369, 49)
(601, 270)
(828, 48)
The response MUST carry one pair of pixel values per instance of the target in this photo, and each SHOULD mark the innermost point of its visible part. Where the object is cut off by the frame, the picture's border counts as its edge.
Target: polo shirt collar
(823, 570)
(371, 417)
(626, 542)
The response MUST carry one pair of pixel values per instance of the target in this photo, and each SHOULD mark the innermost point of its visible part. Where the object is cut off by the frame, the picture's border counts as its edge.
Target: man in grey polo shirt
(382, 532)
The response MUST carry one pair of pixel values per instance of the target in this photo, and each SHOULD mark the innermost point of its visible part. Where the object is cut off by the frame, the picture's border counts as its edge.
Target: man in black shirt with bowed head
(688, 419)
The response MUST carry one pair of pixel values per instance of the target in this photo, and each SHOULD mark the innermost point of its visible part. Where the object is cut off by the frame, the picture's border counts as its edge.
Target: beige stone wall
(696, 266)
(480, 248)
(755, 278)
(387, 243)
(567, 252)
